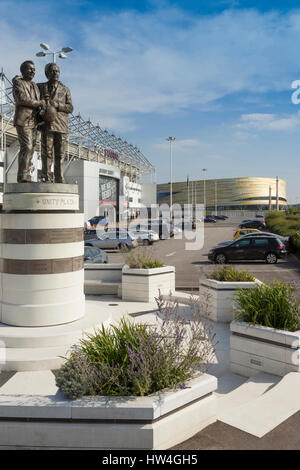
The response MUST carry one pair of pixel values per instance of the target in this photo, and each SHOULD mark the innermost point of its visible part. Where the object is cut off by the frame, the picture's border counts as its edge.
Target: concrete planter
(217, 298)
(159, 421)
(143, 284)
(102, 279)
(256, 348)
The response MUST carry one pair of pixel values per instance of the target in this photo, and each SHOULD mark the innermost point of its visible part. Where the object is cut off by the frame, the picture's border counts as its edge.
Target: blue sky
(215, 74)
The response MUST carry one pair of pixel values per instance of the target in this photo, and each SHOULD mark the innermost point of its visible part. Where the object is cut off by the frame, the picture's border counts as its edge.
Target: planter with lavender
(140, 386)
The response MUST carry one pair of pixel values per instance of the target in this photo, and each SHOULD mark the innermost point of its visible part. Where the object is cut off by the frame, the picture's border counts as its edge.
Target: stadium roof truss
(85, 141)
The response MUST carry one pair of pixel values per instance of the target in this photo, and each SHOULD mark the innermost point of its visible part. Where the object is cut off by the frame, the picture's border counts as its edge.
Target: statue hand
(54, 103)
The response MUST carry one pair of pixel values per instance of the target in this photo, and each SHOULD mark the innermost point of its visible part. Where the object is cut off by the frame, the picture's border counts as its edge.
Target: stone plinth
(42, 247)
(40, 196)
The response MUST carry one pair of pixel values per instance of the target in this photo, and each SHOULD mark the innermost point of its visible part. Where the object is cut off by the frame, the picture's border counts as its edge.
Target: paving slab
(261, 415)
(40, 382)
(243, 393)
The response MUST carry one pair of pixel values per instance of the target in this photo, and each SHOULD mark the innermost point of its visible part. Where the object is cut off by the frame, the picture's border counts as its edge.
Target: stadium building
(113, 175)
(227, 194)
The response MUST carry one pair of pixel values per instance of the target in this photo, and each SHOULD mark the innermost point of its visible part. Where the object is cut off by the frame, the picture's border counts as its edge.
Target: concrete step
(97, 287)
(30, 359)
(266, 403)
(181, 297)
(243, 391)
(35, 349)
(59, 335)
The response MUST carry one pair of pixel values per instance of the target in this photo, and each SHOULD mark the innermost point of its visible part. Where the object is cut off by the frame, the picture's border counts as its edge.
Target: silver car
(145, 237)
(94, 255)
(112, 240)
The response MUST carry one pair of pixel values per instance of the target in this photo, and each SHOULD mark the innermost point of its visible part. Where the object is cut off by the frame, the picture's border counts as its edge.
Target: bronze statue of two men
(43, 106)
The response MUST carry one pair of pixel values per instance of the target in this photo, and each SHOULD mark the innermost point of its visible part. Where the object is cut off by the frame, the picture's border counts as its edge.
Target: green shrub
(229, 274)
(142, 257)
(136, 359)
(272, 305)
(284, 223)
(295, 242)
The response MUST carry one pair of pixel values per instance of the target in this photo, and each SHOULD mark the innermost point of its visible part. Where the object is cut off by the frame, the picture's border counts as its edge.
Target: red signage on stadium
(111, 154)
(107, 202)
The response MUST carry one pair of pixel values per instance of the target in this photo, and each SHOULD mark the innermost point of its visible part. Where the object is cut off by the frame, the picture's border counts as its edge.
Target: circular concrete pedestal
(45, 348)
(42, 248)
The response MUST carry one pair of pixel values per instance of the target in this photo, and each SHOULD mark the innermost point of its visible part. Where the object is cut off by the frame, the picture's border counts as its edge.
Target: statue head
(27, 69)
(52, 71)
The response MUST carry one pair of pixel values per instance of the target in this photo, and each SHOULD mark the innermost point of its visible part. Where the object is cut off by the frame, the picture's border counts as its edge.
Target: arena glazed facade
(227, 194)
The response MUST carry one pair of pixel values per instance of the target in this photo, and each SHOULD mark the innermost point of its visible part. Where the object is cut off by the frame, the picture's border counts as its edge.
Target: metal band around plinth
(41, 266)
(39, 236)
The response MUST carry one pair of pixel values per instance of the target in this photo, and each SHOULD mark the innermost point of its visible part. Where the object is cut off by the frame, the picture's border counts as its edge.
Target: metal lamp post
(61, 54)
(204, 191)
(171, 139)
(216, 197)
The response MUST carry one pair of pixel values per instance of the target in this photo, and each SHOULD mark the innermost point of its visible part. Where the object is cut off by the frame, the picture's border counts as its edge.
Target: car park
(94, 255)
(113, 240)
(267, 248)
(209, 220)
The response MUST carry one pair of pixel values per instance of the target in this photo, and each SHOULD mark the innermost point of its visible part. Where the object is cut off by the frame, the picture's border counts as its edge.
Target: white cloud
(271, 122)
(163, 61)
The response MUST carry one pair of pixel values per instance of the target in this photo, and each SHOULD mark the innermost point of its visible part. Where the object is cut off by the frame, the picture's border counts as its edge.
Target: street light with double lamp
(171, 139)
(61, 54)
(204, 192)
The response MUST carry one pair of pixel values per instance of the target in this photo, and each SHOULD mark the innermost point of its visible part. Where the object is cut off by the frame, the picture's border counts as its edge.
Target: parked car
(244, 231)
(116, 240)
(269, 249)
(284, 240)
(226, 242)
(145, 237)
(259, 215)
(94, 255)
(246, 220)
(163, 229)
(210, 219)
(220, 217)
(260, 225)
(98, 220)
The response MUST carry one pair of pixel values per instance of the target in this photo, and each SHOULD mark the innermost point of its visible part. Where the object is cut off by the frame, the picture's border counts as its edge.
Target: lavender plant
(138, 359)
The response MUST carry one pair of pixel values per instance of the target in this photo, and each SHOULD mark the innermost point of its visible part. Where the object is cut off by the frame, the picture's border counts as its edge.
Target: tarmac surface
(220, 436)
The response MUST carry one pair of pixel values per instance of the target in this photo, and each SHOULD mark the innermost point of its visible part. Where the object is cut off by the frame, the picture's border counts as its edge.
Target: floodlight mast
(61, 54)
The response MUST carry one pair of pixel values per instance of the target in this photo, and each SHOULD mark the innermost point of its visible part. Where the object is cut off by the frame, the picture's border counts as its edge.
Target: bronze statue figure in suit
(27, 100)
(55, 126)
